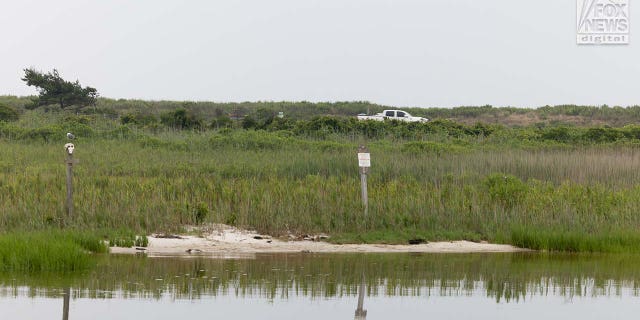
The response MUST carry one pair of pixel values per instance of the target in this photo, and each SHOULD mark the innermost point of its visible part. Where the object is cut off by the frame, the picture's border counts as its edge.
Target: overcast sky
(423, 53)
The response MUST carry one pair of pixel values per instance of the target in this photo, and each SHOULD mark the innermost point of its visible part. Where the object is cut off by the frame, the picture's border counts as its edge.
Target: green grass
(124, 238)
(615, 241)
(441, 185)
(48, 251)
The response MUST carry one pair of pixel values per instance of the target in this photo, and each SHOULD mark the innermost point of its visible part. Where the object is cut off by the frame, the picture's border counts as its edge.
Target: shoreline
(225, 241)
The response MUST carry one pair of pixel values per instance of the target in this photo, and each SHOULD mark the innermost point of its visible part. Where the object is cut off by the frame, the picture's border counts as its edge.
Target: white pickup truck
(392, 115)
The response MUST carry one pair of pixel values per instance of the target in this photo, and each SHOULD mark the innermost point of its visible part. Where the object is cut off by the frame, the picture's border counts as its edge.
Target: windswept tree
(53, 90)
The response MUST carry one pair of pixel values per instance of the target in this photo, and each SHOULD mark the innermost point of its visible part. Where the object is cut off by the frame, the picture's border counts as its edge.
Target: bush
(249, 123)
(181, 119)
(559, 134)
(138, 119)
(600, 135)
(506, 190)
(221, 122)
(46, 133)
(79, 125)
(8, 113)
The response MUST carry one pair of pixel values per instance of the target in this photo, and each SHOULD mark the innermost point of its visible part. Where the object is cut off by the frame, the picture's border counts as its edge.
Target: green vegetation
(552, 187)
(575, 241)
(124, 238)
(179, 119)
(263, 111)
(48, 251)
(8, 113)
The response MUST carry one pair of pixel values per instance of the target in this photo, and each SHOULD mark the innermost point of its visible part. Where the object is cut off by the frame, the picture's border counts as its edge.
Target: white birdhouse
(69, 147)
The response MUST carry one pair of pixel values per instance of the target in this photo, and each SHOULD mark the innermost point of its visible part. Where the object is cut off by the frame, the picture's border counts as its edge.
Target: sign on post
(364, 159)
(364, 162)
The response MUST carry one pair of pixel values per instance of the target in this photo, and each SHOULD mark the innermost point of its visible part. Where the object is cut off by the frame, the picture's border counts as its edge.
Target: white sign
(364, 160)
(602, 21)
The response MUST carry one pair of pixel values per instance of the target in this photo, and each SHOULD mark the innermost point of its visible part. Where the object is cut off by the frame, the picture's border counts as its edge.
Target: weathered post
(364, 161)
(361, 313)
(69, 161)
(65, 303)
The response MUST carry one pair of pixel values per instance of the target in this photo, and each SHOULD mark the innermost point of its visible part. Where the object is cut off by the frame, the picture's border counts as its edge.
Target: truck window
(401, 114)
(389, 113)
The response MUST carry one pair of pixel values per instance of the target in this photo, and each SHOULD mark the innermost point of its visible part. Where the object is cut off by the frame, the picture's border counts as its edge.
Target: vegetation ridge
(543, 186)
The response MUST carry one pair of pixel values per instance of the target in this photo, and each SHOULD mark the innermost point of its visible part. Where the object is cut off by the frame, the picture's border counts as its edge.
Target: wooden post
(69, 163)
(65, 303)
(365, 196)
(364, 162)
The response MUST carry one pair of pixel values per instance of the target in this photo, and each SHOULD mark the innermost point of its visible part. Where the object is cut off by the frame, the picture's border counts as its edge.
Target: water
(315, 286)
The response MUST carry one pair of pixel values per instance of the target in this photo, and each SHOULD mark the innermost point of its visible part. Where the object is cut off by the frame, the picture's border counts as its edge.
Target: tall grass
(439, 188)
(47, 251)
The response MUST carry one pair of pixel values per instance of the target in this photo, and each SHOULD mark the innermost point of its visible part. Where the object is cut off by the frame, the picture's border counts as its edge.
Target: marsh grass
(437, 188)
(616, 241)
(48, 251)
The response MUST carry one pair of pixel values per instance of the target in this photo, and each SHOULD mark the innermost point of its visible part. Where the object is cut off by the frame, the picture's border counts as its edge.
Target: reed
(48, 251)
(437, 187)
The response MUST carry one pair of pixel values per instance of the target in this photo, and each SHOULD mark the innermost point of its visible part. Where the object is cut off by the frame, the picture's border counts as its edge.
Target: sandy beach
(222, 240)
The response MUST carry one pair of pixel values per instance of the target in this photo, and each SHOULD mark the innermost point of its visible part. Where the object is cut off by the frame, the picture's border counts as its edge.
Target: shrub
(221, 122)
(8, 113)
(602, 135)
(46, 133)
(560, 134)
(506, 190)
(248, 122)
(181, 119)
(138, 119)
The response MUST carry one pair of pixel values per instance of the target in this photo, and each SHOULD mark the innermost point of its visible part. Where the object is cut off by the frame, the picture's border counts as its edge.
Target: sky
(417, 53)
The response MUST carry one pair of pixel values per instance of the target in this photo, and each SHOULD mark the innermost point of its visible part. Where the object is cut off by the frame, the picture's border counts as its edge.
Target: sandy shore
(221, 240)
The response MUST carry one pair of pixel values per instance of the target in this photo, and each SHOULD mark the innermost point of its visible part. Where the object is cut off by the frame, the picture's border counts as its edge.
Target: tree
(53, 90)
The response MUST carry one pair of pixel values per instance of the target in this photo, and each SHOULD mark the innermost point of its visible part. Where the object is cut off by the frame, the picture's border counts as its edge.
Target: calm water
(310, 286)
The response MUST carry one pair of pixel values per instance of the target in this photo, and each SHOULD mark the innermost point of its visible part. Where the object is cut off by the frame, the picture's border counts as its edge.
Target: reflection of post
(65, 303)
(361, 314)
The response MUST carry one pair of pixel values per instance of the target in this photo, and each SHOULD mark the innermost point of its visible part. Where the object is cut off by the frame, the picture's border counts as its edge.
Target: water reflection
(361, 313)
(502, 277)
(65, 303)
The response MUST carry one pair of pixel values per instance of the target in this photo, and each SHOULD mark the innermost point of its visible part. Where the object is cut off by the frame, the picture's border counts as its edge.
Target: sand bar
(227, 241)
